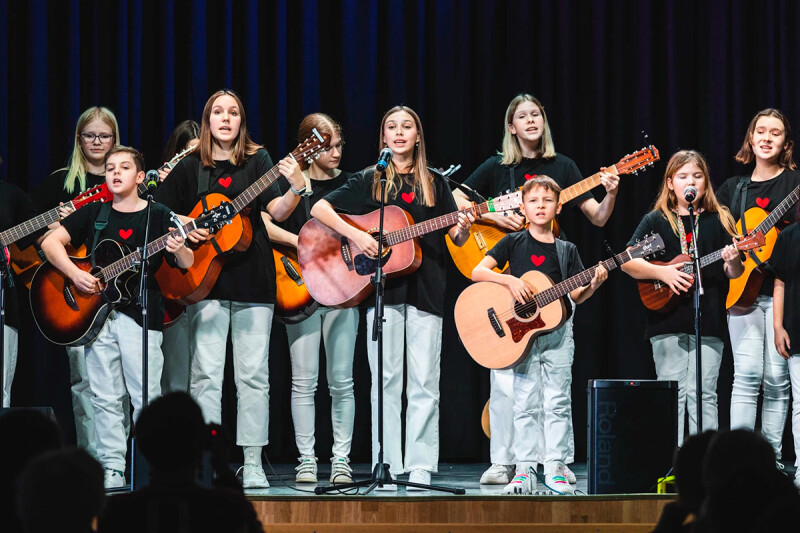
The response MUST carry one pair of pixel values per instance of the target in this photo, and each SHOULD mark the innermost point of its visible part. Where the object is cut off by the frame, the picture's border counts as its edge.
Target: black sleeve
(645, 227)
(353, 195)
(47, 193)
(481, 178)
(80, 224)
(575, 265)
(24, 210)
(779, 255)
(724, 193)
(444, 200)
(175, 191)
(501, 252)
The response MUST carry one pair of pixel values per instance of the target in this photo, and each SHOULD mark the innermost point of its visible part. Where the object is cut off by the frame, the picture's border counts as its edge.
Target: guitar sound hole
(527, 310)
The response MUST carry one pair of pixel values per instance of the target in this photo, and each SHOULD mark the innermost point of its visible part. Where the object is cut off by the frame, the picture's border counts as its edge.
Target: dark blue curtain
(690, 74)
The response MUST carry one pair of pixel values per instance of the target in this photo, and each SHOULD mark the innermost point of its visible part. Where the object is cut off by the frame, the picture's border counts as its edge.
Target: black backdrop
(690, 74)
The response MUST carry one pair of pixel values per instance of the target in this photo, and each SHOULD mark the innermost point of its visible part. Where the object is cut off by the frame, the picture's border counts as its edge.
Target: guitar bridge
(498, 328)
(291, 271)
(347, 257)
(480, 241)
(69, 297)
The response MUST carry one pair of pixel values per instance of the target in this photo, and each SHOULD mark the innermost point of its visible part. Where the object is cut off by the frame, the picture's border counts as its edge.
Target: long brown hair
(323, 123)
(511, 152)
(423, 179)
(745, 154)
(243, 146)
(667, 200)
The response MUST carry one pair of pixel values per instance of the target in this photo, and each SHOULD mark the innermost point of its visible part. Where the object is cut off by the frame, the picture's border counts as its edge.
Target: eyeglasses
(91, 137)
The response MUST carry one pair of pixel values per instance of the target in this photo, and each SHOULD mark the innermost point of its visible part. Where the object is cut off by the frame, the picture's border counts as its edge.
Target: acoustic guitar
(484, 235)
(71, 317)
(293, 303)
(743, 290)
(337, 273)
(498, 331)
(191, 285)
(657, 296)
(25, 261)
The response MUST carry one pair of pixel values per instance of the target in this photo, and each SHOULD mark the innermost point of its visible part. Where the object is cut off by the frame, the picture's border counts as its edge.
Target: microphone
(383, 159)
(690, 193)
(151, 180)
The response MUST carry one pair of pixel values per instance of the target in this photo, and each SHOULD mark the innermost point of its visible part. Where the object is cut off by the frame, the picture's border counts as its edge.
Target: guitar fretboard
(121, 265)
(433, 224)
(585, 185)
(578, 280)
(779, 211)
(30, 226)
(259, 186)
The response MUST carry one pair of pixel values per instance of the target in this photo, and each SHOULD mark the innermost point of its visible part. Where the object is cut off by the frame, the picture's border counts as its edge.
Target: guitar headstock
(215, 218)
(632, 163)
(96, 194)
(312, 146)
(507, 202)
(752, 241)
(649, 245)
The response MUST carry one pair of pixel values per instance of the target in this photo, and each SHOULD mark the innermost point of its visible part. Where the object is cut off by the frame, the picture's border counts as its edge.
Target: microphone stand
(143, 303)
(5, 274)
(698, 292)
(380, 472)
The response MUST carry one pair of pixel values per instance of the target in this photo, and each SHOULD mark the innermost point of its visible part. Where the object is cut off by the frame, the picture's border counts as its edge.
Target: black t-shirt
(424, 289)
(319, 190)
(766, 195)
(524, 253)
(15, 208)
(785, 261)
(247, 276)
(492, 178)
(50, 192)
(715, 283)
(127, 229)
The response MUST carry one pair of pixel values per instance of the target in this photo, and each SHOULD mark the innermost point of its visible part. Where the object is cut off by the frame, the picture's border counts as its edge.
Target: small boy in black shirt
(549, 365)
(114, 358)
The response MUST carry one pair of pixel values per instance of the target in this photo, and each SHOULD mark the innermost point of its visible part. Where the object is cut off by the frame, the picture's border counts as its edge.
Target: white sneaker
(306, 470)
(523, 483)
(423, 477)
(557, 481)
(114, 479)
(498, 474)
(341, 472)
(253, 477)
(570, 475)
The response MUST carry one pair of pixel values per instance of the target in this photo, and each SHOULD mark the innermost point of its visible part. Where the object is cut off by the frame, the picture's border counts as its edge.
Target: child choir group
(530, 404)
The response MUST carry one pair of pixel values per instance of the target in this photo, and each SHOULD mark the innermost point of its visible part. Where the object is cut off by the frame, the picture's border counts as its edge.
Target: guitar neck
(126, 263)
(779, 211)
(583, 186)
(433, 224)
(578, 280)
(259, 186)
(30, 226)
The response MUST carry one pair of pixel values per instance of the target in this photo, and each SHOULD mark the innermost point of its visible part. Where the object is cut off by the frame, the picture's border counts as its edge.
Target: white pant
(338, 329)
(177, 362)
(81, 393)
(794, 374)
(250, 325)
(543, 382)
(756, 362)
(10, 346)
(501, 421)
(676, 360)
(421, 333)
(114, 367)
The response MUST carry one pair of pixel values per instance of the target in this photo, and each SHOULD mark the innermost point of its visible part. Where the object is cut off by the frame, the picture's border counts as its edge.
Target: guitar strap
(741, 194)
(562, 250)
(100, 224)
(203, 180)
(512, 184)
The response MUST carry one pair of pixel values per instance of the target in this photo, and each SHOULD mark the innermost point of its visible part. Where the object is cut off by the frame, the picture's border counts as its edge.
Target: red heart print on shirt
(125, 233)
(530, 176)
(225, 182)
(762, 202)
(408, 197)
(689, 238)
(537, 260)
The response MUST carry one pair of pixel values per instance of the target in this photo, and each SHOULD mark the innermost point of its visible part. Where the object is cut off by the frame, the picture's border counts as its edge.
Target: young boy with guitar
(548, 366)
(114, 357)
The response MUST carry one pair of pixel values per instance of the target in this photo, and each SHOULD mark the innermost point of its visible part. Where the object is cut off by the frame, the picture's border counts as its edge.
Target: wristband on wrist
(295, 191)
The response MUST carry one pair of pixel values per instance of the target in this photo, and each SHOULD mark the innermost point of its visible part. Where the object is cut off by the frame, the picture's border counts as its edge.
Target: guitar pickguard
(366, 265)
(519, 329)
